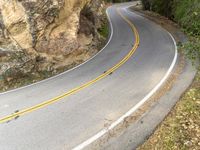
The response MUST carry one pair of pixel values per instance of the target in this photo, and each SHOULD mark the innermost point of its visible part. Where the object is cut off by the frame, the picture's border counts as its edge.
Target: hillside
(40, 38)
(184, 12)
(180, 129)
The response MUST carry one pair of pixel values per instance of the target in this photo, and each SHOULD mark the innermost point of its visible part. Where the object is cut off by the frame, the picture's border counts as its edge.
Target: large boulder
(48, 34)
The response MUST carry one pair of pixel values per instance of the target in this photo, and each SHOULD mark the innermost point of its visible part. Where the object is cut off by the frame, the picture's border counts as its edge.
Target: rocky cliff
(39, 38)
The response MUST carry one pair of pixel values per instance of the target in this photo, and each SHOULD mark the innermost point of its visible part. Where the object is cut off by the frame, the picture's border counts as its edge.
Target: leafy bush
(187, 14)
(192, 49)
(117, 1)
(163, 7)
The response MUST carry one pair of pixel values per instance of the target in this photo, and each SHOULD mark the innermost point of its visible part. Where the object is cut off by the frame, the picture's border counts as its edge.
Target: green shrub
(104, 30)
(117, 1)
(192, 49)
(187, 14)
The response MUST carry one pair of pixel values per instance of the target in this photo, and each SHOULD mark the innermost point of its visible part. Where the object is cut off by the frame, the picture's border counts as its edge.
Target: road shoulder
(138, 127)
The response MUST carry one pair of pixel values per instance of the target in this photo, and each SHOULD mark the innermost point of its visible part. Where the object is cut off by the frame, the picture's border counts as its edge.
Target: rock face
(47, 35)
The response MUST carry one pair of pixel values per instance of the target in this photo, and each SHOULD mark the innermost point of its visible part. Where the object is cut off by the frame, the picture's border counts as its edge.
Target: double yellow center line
(79, 88)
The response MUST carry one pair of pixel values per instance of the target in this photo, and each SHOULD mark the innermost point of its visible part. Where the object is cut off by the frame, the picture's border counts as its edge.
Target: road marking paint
(75, 90)
(56, 76)
(133, 109)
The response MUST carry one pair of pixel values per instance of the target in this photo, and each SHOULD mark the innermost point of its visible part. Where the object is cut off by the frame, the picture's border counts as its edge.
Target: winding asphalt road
(71, 110)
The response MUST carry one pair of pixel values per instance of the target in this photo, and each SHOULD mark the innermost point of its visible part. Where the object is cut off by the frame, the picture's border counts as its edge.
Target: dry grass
(181, 128)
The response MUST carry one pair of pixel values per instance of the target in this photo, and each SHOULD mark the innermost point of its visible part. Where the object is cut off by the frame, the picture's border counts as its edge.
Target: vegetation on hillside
(117, 1)
(181, 129)
(187, 14)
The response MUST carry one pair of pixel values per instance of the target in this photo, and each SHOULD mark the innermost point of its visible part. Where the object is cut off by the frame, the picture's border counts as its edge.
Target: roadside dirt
(177, 34)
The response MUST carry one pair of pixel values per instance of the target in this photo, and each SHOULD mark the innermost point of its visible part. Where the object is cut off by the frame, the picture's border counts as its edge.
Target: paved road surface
(30, 122)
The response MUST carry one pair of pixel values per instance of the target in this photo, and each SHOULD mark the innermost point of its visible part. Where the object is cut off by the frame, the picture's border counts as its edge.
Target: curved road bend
(29, 121)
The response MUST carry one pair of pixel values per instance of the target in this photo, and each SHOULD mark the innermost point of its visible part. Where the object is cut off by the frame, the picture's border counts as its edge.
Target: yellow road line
(75, 90)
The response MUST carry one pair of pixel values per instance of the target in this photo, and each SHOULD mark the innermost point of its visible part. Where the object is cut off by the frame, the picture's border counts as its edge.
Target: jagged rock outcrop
(47, 35)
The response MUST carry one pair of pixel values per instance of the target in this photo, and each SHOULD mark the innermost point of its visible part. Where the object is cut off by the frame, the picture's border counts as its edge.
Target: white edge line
(133, 109)
(110, 38)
